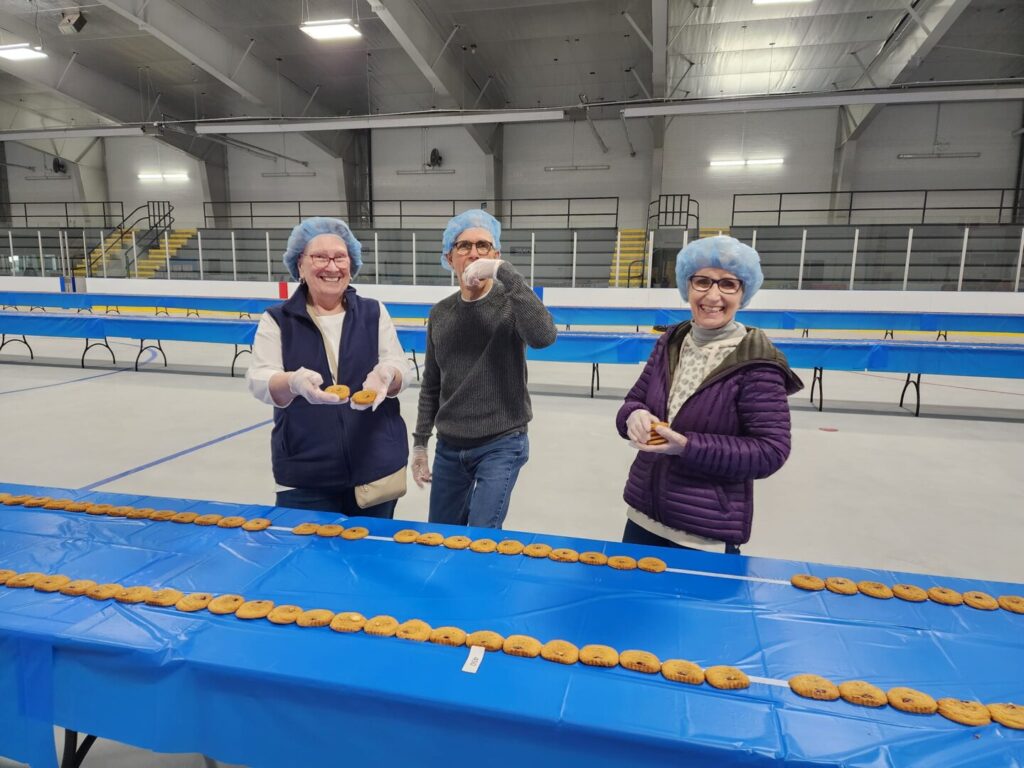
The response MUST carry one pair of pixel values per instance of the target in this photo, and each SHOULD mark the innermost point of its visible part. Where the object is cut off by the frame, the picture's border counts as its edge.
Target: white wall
(52, 188)
(127, 157)
(407, 149)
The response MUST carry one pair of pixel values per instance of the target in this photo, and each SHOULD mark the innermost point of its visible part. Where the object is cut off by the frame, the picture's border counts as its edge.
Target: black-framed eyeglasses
(322, 260)
(726, 285)
(463, 247)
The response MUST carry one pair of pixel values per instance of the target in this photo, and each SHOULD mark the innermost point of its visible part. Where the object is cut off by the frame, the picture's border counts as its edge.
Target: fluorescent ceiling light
(766, 161)
(423, 120)
(330, 29)
(157, 176)
(726, 163)
(577, 167)
(20, 52)
(935, 155)
(738, 163)
(287, 174)
(72, 133)
(431, 172)
(778, 2)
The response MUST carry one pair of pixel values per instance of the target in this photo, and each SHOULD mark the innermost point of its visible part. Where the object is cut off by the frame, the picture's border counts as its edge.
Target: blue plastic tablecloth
(263, 695)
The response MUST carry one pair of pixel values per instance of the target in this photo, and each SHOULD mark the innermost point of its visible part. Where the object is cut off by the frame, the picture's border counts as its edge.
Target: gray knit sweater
(474, 376)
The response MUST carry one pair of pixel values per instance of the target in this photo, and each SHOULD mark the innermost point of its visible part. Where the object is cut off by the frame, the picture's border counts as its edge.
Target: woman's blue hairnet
(468, 220)
(306, 230)
(723, 252)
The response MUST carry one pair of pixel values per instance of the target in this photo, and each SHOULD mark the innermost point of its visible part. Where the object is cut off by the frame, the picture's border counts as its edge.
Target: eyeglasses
(322, 260)
(726, 285)
(463, 247)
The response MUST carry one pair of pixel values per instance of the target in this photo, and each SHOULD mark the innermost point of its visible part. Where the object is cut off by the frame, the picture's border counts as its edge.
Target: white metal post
(573, 283)
(85, 253)
(234, 258)
(199, 235)
(963, 259)
(10, 244)
(533, 246)
(800, 272)
(376, 259)
(103, 250)
(60, 253)
(753, 240)
(906, 265)
(686, 237)
(650, 256)
(853, 264)
(1016, 279)
(135, 259)
(167, 252)
(618, 256)
(414, 258)
(269, 275)
(42, 261)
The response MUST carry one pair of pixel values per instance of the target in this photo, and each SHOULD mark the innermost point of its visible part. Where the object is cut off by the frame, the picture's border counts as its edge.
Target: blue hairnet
(468, 220)
(306, 230)
(723, 252)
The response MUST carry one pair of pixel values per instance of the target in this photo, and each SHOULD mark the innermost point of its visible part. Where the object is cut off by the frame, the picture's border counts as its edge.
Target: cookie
(484, 638)
(413, 629)
(211, 519)
(1010, 715)
(329, 531)
(161, 515)
(356, 532)
(452, 636)
(231, 521)
(348, 621)
(875, 589)
(806, 581)
(185, 518)
(538, 549)
(17, 500)
(909, 700)
(593, 558)
(964, 712)
(909, 592)
(406, 536)
(165, 598)
(195, 601)
(622, 562)
(256, 524)
(284, 614)
(340, 390)
(57, 504)
(4, 497)
(945, 596)
(315, 617)
(363, 399)
(560, 651)
(457, 542)
(222, 605)
(980, 600)
(595, 655)
(24, 580)
(564, 555)
(77, 587)
(305, 529)
(651, 564)
(862, 693)
(120, 511)
(430, 539)
(103, 591)
(77, 506)
(134, 595)
(522, 645)
(381, 626)
(510, 547)
(138, 513)
(682, 671)
(255, 609)
(483, 546)
(52, 583)
(726, 678)
(35, 501)
(5, 574)
(1012, 603)
(840, 585)
(98, 509)
(640, 661)
(814, 687)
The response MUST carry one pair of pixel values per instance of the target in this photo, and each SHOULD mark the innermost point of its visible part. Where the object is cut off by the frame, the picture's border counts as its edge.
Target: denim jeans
(343, 501)
(472, 486)
(637, 534)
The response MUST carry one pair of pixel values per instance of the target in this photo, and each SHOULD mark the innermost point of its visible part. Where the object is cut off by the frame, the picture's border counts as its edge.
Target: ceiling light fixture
(101, 131)
(425, 172)
(779, 2)
(741, 163)
(287, 174)
(577, 167)
(330, 29)
(935, 155)
(21, 52)
(424, 120)
(157, 176)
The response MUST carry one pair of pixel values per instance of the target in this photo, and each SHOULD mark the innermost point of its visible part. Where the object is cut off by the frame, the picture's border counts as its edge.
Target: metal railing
(64, 213)
(156, 216)
(878, 206)
(513, 213)
(673, 210)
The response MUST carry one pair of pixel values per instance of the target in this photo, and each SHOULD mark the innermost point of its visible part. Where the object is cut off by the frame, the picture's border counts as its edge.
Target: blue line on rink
(171, 457)
(151, 354)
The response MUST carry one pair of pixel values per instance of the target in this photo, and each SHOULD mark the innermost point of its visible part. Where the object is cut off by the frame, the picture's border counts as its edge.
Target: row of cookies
(839, 585)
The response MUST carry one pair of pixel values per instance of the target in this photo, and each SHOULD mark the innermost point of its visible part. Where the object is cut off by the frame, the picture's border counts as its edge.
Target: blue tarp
(263, 695)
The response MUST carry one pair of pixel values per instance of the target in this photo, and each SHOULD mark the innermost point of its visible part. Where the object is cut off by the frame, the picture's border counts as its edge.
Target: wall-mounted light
(156, 176)
(330, 29)
(287, 174)
(935, 155)
(741, 163)
(21, 52)
(426, 172)
(577, 167)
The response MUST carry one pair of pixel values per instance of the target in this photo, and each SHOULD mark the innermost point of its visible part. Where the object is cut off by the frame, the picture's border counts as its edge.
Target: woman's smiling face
(713, 309)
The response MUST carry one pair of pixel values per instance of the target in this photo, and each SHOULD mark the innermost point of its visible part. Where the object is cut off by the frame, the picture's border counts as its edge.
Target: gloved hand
(638, 425)
(379, 380)
(480, 271)
(420, 465)
(305, 383)
(676, 442)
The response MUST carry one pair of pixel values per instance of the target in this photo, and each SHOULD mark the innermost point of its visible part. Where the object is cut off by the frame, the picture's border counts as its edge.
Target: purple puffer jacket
(737, 428)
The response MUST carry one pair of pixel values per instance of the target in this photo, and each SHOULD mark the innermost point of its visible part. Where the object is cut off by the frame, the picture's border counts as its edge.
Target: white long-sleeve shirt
(267, 358)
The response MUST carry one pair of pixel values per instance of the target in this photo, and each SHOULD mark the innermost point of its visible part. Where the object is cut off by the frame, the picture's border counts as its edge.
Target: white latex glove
(379, 380)
(305, 383)
(420, 466)
(480, 271)
(676, 442)
(638, 425)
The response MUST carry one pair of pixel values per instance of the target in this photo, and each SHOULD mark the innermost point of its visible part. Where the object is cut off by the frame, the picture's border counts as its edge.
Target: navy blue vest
(333, 447)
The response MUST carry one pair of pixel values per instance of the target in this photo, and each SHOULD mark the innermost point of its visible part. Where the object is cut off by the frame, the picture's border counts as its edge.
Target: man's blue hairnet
(468, 220)
(306, 230)
(723, 252)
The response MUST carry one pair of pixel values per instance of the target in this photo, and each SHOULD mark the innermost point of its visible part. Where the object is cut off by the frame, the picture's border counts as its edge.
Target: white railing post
(906, 265)
(573, 283)
(85, 253)
(753, 240)
(167, 252)
(199, 235)
(234, 258)
(1016, 279)
(103, 251)
(686, 237)
(376, 259)
(533, 247)
(853, 264)
(618, 255)
(42, 260)
(963, 259)
(135, 257)
(269, 274)
(60, 252)
(14, 261)
(650, 257)
(800, 269)
(414, 258)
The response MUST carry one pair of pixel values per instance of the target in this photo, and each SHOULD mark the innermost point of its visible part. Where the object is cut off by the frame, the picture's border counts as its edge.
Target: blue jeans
(343, 501)
(637, 534)
(472, 486)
